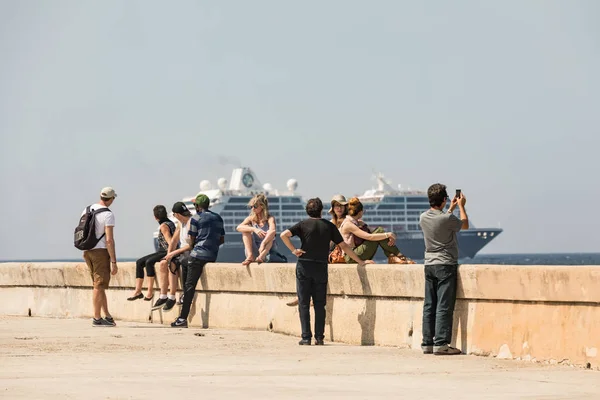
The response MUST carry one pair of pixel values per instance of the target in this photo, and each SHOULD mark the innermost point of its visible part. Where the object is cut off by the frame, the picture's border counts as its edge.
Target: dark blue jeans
(194, 269)
(438, 307)
(311, 281)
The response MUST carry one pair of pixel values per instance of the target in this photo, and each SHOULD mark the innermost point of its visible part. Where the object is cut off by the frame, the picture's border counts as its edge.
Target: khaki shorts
(98, 260)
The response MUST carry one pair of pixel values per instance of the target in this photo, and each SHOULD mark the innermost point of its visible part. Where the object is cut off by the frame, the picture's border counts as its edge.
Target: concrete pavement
(69, 359)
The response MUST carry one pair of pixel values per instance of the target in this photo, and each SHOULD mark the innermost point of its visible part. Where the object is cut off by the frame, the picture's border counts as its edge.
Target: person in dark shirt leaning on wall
(315, 234)
(205, 235)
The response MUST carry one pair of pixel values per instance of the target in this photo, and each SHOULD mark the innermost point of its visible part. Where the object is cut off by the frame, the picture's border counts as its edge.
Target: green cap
(202, 200)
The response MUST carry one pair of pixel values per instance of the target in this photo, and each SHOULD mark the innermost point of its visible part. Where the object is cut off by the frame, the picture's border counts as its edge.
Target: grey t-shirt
(439, 230)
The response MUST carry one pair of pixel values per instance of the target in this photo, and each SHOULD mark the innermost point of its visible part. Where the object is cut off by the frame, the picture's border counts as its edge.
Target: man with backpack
(94, 235)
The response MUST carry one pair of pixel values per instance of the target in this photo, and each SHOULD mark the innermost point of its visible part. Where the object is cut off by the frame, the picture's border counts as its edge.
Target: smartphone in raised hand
(457, 194)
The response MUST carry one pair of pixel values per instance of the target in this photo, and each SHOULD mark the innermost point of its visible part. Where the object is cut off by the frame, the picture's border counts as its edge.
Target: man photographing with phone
(441, 268)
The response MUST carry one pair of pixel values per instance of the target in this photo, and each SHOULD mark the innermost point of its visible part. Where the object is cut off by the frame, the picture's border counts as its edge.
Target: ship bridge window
(413, 227)
(292, 207)
(238, 200)
(291, 200)
(391, 207)
(369, 206)
(417, 206)
(417, 200)
(393, 200)
(235, 207)
(273, 200)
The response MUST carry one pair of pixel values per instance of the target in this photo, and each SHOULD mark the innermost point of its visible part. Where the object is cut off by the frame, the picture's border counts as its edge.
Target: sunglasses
(255, 206)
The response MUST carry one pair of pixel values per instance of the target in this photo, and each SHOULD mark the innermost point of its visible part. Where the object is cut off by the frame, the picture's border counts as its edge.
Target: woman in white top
(176, 257)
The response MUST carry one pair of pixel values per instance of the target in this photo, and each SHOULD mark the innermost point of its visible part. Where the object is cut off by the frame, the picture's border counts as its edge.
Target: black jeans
(438, 307)
(311, 281)
(194, 271)
(148, 262)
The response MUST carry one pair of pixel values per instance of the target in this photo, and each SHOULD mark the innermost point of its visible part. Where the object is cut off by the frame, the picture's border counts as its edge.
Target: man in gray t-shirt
(441, 265)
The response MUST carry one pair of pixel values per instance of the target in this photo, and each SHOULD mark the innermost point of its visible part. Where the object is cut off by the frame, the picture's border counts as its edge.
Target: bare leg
(97, 301)
(163, 277)
(264, 250)
(138, 286)
(150, 287)
(173, 282)
(247, 239)
(104, 303)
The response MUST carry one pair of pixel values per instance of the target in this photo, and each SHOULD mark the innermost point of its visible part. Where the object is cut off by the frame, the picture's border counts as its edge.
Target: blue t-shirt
(206, 229)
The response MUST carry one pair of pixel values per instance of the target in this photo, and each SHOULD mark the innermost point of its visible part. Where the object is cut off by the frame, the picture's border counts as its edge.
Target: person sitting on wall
(177, 255)
(205, 235)
(258, 231)
(165, 233)
(338, 211)
(365, 242)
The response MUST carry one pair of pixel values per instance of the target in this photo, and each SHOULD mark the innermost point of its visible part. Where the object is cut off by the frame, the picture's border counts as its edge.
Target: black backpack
(85, 233)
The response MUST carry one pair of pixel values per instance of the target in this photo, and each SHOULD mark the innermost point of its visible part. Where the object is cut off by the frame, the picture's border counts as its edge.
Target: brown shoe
(446, 350)
(400, 259)
(293, 303)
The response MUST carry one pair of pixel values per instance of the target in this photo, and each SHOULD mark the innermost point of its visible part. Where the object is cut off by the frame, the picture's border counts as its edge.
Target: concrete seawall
(543, 313)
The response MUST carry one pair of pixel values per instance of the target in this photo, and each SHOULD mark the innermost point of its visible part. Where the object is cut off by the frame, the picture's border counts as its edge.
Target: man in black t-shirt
(315, 234)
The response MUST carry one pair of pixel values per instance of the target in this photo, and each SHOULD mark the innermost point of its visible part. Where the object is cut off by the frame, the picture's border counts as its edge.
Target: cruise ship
(396, 210)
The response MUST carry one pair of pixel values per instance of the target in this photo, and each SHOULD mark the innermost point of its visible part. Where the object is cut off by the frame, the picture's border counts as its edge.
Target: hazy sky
(496, 98)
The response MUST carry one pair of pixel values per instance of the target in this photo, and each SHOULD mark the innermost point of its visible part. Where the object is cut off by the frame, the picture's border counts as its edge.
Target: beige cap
(108, 193)
(339, 199)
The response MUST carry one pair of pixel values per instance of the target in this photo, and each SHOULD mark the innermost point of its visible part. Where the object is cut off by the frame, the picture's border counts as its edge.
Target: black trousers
(194, 271)
(438, 307)
(311, 282)
(148, 262)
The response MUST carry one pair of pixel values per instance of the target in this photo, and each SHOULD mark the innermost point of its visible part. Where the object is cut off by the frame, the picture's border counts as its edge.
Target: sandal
(137, 296)
(400, 259)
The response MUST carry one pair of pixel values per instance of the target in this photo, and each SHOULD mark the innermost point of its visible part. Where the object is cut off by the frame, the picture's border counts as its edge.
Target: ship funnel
(244, 179)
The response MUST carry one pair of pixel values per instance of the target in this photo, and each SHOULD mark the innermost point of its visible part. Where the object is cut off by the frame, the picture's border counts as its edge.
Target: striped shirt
(206, 230)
